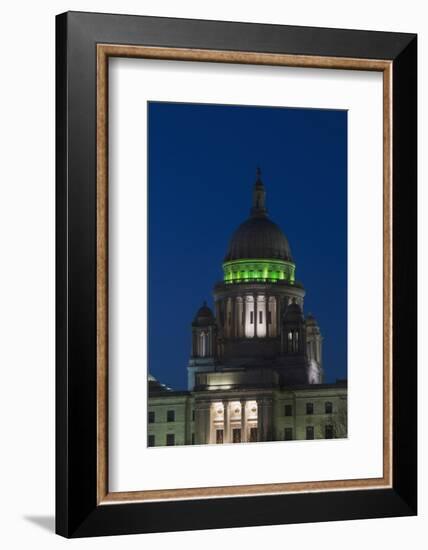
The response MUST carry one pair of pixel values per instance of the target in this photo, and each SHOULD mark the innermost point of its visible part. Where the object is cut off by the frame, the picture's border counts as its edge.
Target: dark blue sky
(202, 166)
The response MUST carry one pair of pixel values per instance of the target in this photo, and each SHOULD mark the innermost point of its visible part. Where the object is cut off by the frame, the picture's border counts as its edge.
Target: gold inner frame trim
(104, 51)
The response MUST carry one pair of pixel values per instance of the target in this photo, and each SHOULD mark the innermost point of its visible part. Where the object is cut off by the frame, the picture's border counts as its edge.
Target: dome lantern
(259, 197)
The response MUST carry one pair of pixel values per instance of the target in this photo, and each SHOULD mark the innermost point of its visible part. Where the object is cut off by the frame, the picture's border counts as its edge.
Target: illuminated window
(288, 434)
(151, 417)
(170, 440)
(151, 441)
(288, 410)
(309, 408)
(328, 407)
(170, 416)
(309, 432)
(329, 431)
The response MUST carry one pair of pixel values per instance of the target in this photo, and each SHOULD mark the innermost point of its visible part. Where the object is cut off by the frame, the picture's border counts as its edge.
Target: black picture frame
(77, 511)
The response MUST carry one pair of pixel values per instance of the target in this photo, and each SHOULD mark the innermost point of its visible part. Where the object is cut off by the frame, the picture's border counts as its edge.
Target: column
(233, 331)
(239, 317)
(268, 316)
(260, 423)
(208, 423)
(247, 330)
(202, 423)
(226, 422)
(276, 330)
(267, 418)
(243, 421)
(264, 419)
(256, 312)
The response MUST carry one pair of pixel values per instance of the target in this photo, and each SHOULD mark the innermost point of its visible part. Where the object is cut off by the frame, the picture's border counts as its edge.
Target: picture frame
(84, 44)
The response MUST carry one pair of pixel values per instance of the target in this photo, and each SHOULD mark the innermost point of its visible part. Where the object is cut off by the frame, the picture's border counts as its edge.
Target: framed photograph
(236, 274)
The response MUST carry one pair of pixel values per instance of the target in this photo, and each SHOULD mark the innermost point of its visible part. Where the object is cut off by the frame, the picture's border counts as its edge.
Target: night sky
(202, 167)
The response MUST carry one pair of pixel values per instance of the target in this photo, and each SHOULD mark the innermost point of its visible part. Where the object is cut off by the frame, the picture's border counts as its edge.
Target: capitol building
(255, 371)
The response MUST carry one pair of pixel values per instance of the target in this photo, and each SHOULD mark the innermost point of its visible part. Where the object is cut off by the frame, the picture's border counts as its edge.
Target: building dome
(258, 238)
(204, 316)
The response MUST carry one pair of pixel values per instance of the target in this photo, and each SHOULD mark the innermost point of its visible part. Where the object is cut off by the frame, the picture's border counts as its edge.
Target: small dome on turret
(311, 321)
(204, 316)
(293, 313)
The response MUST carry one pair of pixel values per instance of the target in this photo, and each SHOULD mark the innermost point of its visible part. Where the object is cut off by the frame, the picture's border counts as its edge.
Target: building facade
(255, 372)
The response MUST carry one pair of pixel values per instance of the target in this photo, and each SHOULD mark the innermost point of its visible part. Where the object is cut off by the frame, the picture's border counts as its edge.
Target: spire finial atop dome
(259, 197)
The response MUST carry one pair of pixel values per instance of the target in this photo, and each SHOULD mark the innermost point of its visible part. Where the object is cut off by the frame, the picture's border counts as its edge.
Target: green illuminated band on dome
(271, 271)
